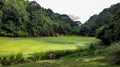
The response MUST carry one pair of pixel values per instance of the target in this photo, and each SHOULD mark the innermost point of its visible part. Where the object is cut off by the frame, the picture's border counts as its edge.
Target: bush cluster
(113, 53)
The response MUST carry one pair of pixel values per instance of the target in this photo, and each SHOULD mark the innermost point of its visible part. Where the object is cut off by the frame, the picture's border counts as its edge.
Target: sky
(79, 10)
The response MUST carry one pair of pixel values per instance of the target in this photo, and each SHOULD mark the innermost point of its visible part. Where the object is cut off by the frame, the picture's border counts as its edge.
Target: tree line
(19, 18)
(104, 26)
(98, 20)
(24, 18)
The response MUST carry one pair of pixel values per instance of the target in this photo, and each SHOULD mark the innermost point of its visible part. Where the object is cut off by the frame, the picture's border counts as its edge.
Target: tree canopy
(96, 21)
(111, 32)
(24, 18)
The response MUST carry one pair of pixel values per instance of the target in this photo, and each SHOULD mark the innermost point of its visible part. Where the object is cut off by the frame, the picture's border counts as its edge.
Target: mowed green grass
(43, 44)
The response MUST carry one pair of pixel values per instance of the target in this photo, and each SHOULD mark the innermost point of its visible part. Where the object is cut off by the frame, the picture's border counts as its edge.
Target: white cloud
(82, 8)
(73, 17)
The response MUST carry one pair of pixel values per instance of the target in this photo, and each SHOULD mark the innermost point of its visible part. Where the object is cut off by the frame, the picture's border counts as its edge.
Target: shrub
(92, 50)
(38, 56)
(50, 55)
(113, 53)
(11, 59)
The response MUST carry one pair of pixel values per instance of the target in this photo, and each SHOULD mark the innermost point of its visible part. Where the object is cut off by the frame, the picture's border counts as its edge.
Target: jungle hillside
(34, 36)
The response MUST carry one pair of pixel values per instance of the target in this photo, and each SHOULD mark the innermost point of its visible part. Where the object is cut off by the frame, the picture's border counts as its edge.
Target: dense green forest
(110, 32)
(20, 18)
(106, 26)
(96, 21)
(99, 35)
(24, 18)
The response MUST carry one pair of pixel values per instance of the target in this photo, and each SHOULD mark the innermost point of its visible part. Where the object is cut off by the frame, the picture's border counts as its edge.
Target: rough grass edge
(92, 50)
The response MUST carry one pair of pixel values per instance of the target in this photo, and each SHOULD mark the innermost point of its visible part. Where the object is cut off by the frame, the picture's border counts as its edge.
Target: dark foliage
(96, 21)
(111, 32)
(21, 18)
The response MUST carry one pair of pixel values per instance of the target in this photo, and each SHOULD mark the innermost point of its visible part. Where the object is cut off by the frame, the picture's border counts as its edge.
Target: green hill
(20, 18)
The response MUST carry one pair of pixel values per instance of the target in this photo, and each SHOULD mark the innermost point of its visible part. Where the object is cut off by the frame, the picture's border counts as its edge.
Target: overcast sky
(78, 9)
